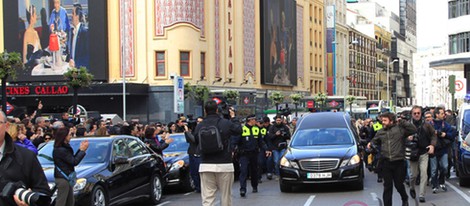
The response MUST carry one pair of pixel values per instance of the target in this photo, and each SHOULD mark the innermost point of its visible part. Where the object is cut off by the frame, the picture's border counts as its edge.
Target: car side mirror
(121, 160)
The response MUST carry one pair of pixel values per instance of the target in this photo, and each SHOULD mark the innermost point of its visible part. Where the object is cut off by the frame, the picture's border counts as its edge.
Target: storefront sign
(37, 90)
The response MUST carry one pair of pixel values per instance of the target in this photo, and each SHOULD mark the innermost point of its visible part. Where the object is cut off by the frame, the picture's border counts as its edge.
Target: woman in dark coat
(157, 142)
(65, 162)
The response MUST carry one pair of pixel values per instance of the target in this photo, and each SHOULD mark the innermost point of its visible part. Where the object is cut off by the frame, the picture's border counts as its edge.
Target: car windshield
(97, 151)
(327, 136)
(179, 144)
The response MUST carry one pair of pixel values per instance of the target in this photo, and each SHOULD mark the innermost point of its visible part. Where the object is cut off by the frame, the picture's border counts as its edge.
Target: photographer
(439, 161)
(17, 165)
(425, 140)
(391, 140)
(278, 135)
(216, 168)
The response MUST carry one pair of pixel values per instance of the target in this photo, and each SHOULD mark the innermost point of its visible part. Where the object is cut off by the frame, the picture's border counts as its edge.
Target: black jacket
(227, 130)
(156, 147)
(21, 164)
(426, 135)
(275, 140)
(249, 142)
(66, 160)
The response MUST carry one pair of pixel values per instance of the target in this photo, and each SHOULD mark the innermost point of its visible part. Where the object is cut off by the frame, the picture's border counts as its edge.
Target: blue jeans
(277, 154)
(194, 163)
(442, 163)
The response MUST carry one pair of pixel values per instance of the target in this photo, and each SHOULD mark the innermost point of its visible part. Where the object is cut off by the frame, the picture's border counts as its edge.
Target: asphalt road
(323, 195)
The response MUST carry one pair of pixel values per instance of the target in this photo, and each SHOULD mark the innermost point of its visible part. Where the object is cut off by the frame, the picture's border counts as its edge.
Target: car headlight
(79, 185)
(286, 163)
(464, 144)
(178, 164)
(354, 160)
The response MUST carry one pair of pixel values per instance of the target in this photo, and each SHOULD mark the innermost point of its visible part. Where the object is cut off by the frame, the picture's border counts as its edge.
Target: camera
(29, 197)
(373, 149)
(224, 110)
(191, 122)
(439, 133)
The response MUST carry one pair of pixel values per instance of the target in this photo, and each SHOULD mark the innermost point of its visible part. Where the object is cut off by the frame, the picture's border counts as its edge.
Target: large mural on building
(55, 35)
(279, 42)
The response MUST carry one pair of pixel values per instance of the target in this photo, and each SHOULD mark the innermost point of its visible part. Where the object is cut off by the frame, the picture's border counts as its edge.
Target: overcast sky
(431, 22)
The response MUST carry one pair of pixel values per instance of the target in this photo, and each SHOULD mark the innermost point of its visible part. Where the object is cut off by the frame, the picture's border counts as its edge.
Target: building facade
(362, 76)
(255, 47)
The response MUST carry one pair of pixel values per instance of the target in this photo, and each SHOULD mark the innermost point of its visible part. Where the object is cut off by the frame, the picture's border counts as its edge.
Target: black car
(115, 170)
(177, 163)
(324, 149)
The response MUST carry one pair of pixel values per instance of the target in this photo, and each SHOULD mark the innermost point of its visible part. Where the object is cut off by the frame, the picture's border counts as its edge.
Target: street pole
(123, 68)
(388, 81)
(344, 74)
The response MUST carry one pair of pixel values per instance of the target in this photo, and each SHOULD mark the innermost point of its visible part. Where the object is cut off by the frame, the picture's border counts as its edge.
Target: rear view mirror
(121, 160)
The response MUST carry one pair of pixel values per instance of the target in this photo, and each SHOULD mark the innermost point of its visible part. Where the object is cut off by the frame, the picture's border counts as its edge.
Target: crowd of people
(413, 147)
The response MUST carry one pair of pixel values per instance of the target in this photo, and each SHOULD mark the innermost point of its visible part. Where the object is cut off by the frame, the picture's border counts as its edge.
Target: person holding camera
(216, 169)
(278, 135)
(425, 140)
(247, 146)
(439, 161)
(19, 166)
(65, 162)
(391, 139)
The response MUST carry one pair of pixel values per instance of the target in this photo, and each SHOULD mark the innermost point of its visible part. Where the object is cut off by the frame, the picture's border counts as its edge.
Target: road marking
(460, 192)
(164, 203)
(310, 200)
(374, 196)
(188, 193)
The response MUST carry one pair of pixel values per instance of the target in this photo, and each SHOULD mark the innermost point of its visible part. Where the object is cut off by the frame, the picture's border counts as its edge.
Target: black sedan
(177, 163)
(115, 170)
(324, 149)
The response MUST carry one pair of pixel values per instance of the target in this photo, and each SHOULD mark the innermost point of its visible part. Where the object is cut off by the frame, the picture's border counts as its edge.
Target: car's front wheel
(98, 196)
(156, 189)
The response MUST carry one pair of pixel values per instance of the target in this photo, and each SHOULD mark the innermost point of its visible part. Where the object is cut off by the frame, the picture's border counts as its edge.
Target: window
(203, 65)
(120, 149)
(184, 64)
(160, 56)
(136, 148)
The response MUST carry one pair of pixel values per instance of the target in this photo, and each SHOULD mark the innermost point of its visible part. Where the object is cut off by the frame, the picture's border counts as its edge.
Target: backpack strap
(63, 173)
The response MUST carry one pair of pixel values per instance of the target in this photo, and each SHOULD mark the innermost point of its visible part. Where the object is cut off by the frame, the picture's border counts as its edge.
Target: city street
(331, 195)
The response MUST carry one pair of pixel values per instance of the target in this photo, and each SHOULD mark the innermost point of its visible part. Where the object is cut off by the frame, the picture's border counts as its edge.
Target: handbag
(53, 42)
(72, 177)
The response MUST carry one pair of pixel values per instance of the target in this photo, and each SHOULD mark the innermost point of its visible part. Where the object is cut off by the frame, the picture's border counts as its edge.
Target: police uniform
(262, 155)
(248, 147)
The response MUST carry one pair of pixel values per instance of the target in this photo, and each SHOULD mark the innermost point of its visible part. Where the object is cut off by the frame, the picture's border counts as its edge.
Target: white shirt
(2, 149)
(74, 40)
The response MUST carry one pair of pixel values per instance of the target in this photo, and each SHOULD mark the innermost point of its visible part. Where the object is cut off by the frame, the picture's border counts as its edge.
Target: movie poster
(279, 51)
(54, 35)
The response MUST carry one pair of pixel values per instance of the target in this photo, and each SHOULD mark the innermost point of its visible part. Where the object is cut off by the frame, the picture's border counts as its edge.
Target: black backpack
(210, 140)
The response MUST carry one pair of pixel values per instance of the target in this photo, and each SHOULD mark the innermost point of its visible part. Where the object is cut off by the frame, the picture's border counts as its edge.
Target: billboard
(55, 35)
(279, 42)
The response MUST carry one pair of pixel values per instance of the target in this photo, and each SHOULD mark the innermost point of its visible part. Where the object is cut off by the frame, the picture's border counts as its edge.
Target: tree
(320, 98)
(199, 93)
(296, 97)
(231, 95)
(77, 78)
(277, 98)
(10, 62)
(350, 100)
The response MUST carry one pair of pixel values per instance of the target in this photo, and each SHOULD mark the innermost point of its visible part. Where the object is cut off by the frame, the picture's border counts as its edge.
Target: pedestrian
(194, 158)
(278, 135)
(391, 139)
(439, 161)
(156, 141)
(19, 164)
(18, 133)
(426, 141)
(216, 169)
(247, 147)
(65, 162)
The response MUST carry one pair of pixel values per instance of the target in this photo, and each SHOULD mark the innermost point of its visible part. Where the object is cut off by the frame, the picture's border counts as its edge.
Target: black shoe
(269, 176)
(413, 193)
(379, 180)
(242, 192)
(405, 203)
(407, 182)
(255, 190)
(421, 199)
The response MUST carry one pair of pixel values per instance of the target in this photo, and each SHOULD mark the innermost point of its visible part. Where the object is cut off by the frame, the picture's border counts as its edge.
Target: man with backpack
(213, 136)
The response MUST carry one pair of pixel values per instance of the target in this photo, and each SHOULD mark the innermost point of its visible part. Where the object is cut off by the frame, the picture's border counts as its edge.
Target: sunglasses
(428, 116)
(414, 113)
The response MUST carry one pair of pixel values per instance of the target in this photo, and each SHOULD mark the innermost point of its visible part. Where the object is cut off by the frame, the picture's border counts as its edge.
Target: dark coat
(21, 164)
(156, 147)
(227, 130)
(392, 140)
(82, 51)
(66, 160)
(275, 140)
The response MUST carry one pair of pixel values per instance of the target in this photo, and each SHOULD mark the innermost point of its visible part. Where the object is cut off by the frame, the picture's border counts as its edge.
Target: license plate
(319, 175)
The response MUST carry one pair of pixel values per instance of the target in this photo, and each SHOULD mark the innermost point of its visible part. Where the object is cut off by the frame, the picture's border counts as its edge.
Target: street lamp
(388, 77)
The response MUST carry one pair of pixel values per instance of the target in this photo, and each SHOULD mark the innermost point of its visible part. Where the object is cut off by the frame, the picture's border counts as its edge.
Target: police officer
(262, 153)
(248, 146)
